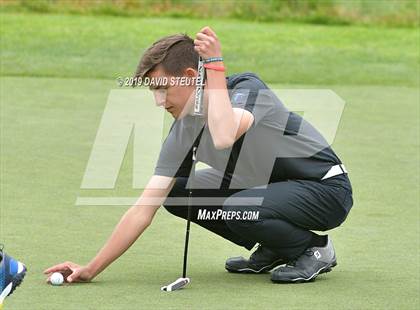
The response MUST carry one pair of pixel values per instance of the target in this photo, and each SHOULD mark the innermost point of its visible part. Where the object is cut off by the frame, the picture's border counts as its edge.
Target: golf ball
(56, 278)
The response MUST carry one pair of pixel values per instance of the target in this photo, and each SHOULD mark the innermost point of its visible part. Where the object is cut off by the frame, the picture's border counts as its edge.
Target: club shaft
(198, 112)
(187, 231)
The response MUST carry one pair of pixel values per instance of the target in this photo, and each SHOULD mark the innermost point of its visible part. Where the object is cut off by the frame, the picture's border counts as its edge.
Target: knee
(238, 213)
(336, 220)
(341, 213)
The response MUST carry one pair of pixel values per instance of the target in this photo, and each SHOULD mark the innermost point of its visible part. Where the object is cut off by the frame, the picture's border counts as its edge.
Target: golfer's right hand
(71, 272)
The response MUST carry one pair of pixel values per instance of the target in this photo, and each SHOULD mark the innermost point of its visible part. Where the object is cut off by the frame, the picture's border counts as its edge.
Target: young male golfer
(273, 178)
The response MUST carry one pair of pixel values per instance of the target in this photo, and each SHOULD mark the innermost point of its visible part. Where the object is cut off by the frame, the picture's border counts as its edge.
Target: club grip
(198, 100)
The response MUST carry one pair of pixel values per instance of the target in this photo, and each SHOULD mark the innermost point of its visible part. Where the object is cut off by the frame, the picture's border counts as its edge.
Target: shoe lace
(309, 252)
(292, 263)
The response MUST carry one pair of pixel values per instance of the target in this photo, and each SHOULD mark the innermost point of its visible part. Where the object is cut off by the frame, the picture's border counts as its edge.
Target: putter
(198, 112)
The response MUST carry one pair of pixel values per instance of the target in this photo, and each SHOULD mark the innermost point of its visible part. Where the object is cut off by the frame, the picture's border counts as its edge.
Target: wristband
(212, 59)
(214, 67)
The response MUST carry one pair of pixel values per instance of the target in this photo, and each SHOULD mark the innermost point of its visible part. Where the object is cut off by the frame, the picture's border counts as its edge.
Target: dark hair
(175, 53)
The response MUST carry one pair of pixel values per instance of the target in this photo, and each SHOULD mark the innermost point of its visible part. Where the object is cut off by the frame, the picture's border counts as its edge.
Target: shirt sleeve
(252, 95)
(175, 158)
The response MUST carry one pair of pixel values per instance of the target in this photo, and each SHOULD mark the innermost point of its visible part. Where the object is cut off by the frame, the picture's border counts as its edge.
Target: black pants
(287, 211)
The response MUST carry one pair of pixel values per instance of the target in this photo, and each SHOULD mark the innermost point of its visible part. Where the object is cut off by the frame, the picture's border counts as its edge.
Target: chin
(176, 116)
(180, 115)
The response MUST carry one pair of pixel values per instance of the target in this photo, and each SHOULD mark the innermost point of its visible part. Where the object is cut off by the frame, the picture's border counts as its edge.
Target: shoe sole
(312, 278)
(328, 269)
(250, 270)
(16, 281)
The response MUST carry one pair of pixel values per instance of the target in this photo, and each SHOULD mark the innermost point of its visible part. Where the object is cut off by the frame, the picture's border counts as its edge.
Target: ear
(190, 72)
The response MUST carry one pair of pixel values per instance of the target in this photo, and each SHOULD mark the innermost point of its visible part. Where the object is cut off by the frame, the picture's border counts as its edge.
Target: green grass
(108, 47)
(56, 74)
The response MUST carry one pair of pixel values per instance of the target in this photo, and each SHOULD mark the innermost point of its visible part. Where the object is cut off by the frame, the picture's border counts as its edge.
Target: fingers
(74, 276)
(64, 268)
(204, 37)
(206, 43)
(203, 41)
(208, 31)
(70, 271)
(200, 45)
(198, 49)
(59, 267)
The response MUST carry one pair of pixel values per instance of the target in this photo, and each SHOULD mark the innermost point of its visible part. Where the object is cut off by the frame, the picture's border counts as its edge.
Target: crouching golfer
(273, 178)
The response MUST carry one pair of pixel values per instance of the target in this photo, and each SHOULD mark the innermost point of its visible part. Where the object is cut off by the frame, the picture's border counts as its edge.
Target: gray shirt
(280, 144)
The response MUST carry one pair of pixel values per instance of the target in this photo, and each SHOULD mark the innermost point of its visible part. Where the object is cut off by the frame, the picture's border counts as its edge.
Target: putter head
(176, 285)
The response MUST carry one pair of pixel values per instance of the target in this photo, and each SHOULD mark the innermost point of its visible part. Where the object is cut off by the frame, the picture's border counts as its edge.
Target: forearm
(133, 223)
(221, 120)
(128, 230)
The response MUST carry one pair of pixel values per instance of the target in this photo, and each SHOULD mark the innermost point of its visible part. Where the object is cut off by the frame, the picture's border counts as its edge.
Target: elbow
(146, 222)
(221, 144)
(222, 137)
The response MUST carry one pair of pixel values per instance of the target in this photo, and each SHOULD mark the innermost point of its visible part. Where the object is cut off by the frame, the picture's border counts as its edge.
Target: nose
(160, 97)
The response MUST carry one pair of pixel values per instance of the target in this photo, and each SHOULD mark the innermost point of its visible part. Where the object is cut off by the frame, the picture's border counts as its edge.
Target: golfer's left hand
(207, 44)
(71, 272)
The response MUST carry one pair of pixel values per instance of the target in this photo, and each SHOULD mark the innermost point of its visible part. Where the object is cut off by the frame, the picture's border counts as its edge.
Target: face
(176, 99)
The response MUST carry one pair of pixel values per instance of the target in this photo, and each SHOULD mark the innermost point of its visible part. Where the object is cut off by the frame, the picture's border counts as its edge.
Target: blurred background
(402, 13)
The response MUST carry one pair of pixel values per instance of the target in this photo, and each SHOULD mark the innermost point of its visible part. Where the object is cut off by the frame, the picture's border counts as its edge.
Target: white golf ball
(56, 278)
